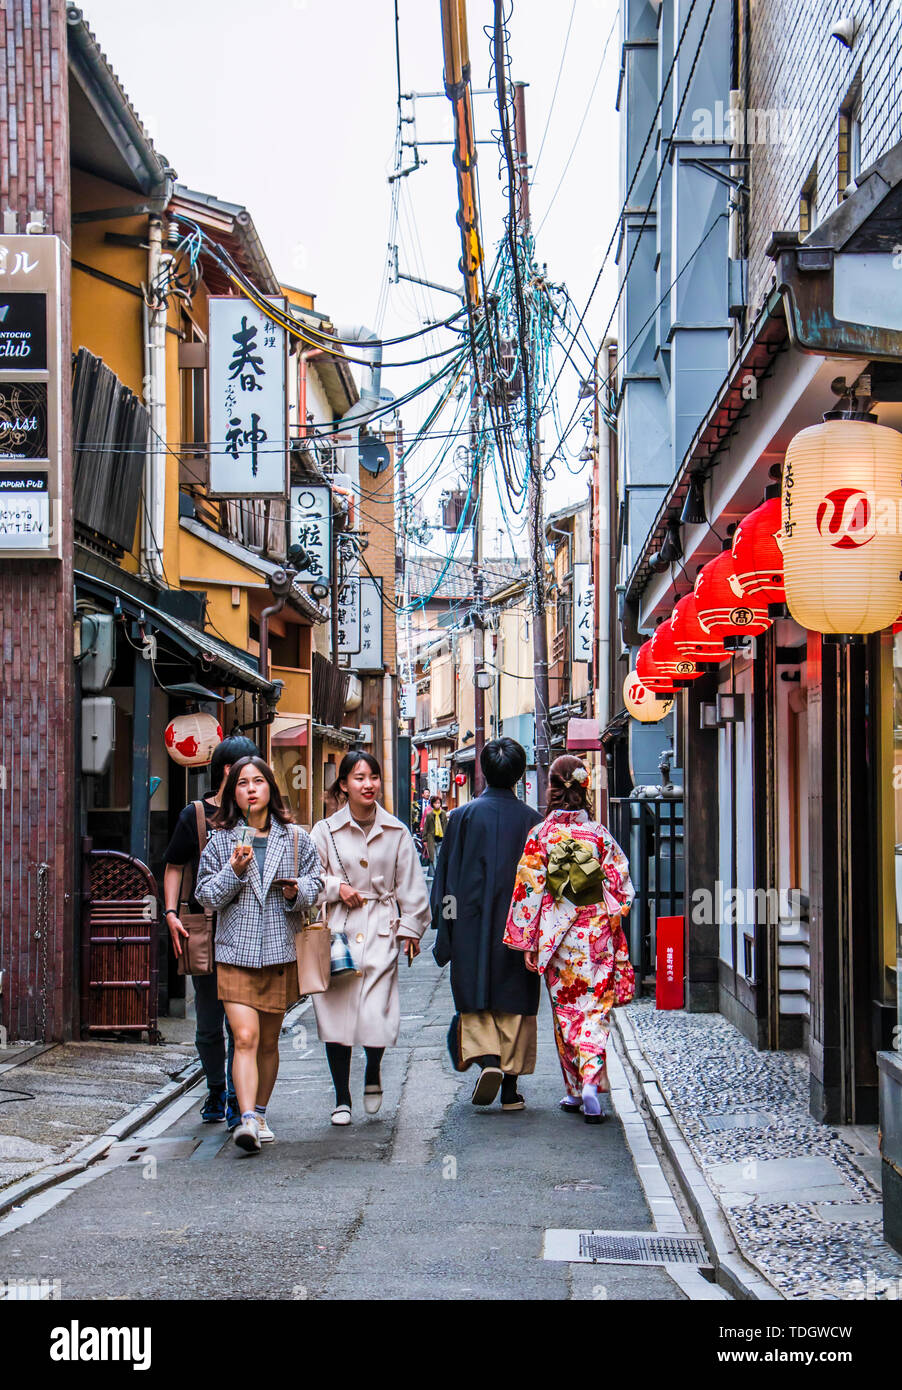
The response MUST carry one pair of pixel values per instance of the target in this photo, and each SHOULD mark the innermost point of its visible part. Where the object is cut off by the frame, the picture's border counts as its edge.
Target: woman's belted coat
(384, 868)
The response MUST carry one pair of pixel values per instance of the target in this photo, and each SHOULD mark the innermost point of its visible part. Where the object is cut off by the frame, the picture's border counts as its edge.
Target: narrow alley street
(432, 1199)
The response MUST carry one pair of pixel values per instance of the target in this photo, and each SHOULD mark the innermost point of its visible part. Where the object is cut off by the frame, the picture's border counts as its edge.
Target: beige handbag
(314, 947)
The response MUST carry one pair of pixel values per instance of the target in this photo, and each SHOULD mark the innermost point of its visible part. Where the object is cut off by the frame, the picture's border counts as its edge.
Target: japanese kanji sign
(310, 526)
(360, 623)
(370, 656)
(349, 618)
(248, 454)
(583, 613)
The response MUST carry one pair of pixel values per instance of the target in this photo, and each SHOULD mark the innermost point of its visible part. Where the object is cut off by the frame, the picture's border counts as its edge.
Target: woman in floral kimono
(573, 888)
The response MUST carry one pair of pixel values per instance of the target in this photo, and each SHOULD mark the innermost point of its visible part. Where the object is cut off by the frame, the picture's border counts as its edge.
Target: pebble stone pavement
(813, 1247)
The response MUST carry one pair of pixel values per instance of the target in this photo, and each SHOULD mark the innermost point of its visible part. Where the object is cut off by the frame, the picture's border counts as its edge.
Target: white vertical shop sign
(349, 618)
(310, 526)
(583, 612)
(248, 428)
(370, 657)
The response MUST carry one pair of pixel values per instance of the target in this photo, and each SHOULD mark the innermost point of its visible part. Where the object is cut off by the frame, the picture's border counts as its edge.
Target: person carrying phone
(184, 849)
(258, 872)
(376, 894)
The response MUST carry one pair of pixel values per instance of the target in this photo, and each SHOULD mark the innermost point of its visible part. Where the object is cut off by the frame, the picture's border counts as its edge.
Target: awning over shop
(210, 653)
(463, 756)
(287, 732)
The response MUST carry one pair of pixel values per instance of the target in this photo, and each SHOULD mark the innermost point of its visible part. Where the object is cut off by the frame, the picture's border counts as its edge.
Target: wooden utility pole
(534, 491)
(478, 616)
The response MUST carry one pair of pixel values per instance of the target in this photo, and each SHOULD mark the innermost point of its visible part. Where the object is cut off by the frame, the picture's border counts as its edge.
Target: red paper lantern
(191, 738)
(723, 609)
(689, 637)
(667, 659)
(650, 674)
(460, 778)
(757, 556)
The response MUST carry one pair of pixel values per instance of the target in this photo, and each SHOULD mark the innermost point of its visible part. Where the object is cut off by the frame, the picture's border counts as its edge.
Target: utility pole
(478, 617)
(534, 491)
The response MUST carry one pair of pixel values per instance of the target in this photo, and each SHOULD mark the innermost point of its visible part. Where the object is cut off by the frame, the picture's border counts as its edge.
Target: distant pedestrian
(496, 996)
(259, 871)
(573, 888)
(435, 825)
(184, 850)
(376, 895)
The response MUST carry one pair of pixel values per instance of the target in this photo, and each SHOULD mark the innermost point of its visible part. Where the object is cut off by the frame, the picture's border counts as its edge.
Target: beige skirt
(271, 990)
(512, 1037)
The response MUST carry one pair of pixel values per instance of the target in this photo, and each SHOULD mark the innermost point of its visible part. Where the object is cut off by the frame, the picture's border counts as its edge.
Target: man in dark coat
(497, 998)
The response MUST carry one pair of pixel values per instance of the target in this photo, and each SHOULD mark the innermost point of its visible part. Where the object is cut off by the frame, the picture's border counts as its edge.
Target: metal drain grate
(737, 1119)
(603, 1248)
(625, 1248)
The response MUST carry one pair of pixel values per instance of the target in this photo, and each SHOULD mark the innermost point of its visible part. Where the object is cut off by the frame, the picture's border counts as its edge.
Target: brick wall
(36, 597)
(377, 519)
(794, 63)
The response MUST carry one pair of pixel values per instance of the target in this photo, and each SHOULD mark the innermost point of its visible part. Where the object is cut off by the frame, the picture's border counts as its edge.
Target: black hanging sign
(23, 419)
(23, 332)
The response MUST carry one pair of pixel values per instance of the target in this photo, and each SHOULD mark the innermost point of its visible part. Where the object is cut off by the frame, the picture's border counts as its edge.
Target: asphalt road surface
(433, 1198)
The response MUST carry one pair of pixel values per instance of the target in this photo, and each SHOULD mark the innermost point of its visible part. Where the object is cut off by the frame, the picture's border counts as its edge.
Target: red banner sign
(669, 972)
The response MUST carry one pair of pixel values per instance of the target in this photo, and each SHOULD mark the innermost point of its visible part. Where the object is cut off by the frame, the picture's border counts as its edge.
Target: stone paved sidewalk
(54, 1103)
(803, 1199)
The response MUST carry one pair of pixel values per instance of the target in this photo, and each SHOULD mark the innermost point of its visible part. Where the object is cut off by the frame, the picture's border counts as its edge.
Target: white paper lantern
(191, 738)
(841, 533)
(642, 703)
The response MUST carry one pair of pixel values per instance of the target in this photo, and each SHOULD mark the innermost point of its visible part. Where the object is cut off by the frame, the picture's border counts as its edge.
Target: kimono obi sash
(574, 872)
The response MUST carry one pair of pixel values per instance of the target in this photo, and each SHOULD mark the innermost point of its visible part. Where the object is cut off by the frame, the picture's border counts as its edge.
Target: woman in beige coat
(376, 894)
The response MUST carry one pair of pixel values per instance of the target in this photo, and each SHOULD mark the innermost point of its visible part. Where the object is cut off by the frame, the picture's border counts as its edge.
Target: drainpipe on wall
(153, 516)
(388, 734)
(602, 585)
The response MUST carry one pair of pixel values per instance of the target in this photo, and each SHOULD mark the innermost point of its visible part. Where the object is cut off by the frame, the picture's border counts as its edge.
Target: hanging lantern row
(829, 548)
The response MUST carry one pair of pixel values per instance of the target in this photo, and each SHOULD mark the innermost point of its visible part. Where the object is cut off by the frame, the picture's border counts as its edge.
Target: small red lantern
(667, 659)
(650, 674)
(191, 738)
(460, 778)
(757, 556)
(689, 637)
(723, 609)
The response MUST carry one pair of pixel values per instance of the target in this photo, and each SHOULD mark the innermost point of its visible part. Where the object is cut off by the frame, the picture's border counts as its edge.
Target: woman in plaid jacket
(258, 873)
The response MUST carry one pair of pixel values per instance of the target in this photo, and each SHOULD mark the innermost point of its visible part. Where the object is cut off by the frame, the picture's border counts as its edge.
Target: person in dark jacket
(471, 895)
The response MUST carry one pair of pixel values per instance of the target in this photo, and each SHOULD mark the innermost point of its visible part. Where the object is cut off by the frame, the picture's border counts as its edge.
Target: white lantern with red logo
(841, 534)
(191, 738)
(642, 703)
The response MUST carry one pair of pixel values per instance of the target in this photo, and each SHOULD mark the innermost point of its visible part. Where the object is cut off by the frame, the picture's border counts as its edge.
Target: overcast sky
(289, 107)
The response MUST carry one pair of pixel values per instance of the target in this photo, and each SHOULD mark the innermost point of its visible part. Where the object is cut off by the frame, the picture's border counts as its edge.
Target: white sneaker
(341, 1115)
(266, 1134)
(247, 1135)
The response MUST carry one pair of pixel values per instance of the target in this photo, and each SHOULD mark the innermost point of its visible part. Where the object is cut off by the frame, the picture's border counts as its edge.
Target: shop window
(848, 152)
(285, 651)
(808, 204)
